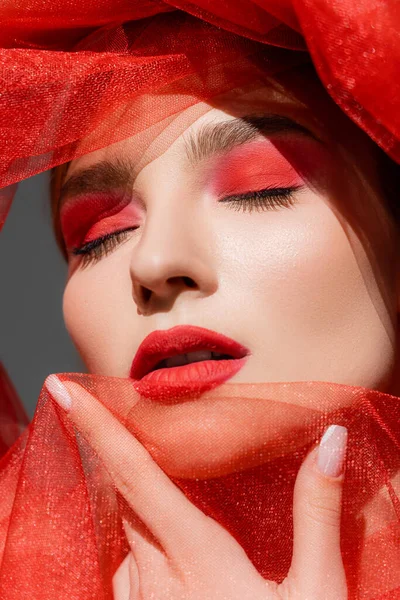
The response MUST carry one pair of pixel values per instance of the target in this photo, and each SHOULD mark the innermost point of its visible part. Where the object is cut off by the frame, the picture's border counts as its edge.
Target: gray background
(33, 339)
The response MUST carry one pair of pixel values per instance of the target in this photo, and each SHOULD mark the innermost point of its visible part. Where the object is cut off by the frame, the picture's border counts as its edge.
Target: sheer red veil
(77, 77)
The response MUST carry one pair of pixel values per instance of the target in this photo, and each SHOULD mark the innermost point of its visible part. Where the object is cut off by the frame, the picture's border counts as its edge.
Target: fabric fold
(61, 514)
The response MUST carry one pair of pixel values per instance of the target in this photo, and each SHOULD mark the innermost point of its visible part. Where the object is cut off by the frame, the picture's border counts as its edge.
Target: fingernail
(332, 451)
(59, 392)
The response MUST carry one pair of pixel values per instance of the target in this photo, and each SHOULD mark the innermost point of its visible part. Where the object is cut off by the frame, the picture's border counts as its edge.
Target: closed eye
(259, 200)
(266, 199)
(95, 250)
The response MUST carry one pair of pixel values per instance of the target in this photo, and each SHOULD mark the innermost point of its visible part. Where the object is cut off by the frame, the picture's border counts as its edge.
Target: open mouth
(185, 360)
(190, 357)
(187, 376)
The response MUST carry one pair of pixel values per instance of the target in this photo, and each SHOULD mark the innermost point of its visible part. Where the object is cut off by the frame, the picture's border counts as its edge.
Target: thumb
(317, 567)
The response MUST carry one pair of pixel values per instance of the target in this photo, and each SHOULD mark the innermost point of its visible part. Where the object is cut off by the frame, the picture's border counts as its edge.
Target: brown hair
(57, 177)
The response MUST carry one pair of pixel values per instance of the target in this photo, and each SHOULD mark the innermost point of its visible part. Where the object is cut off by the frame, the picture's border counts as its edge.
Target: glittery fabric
(76, 78)
(13, 418)
(60, 513)
(80, 76)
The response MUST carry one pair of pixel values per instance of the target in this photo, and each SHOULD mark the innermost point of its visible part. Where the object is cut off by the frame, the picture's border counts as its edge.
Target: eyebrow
(221, 137)
(210, 139)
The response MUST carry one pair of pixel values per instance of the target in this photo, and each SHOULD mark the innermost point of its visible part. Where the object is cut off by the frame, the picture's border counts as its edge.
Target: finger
(157, 501)
(125, 582)
(134, 579)
(151, 563)
(317, 565)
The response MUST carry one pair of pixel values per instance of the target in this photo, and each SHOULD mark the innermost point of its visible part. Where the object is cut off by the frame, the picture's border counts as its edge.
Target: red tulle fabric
(13, 418)
(80, 76)
(76, 79)
(60, 513)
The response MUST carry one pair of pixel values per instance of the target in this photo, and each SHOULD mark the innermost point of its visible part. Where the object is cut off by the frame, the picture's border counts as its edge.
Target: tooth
(199, 355)
(176, 361)
(190, 357)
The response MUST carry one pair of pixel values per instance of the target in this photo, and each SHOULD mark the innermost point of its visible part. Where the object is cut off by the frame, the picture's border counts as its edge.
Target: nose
(173, 255)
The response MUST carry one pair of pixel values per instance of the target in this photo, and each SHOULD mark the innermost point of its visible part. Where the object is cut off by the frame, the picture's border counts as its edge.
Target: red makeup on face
(284, 162)
(90, 216)
(262, 164)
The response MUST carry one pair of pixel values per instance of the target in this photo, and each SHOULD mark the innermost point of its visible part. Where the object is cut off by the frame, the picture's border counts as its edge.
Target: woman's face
(267, 230)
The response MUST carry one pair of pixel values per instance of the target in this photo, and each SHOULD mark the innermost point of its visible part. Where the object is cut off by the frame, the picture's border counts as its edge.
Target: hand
(178, 552)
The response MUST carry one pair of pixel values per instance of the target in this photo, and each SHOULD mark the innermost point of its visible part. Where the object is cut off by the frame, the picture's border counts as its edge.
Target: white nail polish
(59, 392)
(332, 451)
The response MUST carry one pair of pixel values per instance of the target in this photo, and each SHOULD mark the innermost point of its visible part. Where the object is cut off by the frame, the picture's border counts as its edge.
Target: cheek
(98, 318)
(314, 311)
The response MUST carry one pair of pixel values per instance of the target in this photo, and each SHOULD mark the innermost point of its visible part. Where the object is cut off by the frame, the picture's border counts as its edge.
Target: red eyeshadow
(266, 164)
(90, 216)
(127, 217)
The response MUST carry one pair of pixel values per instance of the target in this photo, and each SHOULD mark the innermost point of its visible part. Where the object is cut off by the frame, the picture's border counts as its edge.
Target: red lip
(167, 384)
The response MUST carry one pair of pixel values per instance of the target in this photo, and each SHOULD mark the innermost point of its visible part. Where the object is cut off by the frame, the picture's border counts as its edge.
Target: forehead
(269, 97)
(295, 97)
(215, 133)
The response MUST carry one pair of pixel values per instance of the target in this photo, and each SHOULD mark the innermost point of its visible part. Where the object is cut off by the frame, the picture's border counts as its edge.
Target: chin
(229, 429)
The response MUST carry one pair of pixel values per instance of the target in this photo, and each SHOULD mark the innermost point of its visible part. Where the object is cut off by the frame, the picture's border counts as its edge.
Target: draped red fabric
(81, 69)
(60, 513)
(80, 76)
(13, 418)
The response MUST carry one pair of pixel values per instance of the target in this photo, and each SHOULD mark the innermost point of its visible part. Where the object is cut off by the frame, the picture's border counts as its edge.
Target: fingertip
(58, 392)
(331, 452)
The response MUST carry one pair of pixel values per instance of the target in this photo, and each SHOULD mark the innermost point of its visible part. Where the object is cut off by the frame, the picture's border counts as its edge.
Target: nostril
(189, 282)
(146, 293)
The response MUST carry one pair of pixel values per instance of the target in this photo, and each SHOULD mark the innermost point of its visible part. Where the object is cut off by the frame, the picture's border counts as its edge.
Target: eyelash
(267, 199)
(260, 200)
(95, 250)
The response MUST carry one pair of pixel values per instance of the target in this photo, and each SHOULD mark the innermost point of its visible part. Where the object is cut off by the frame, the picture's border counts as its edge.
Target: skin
(176, 551)
(318, 279)
(327, 292)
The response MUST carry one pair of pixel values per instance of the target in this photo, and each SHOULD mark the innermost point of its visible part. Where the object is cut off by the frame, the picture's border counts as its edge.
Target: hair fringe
(57, 177)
